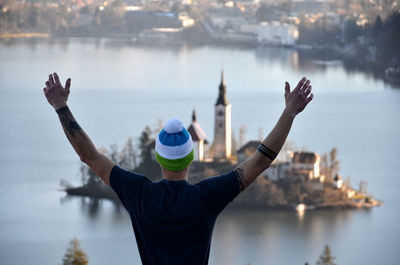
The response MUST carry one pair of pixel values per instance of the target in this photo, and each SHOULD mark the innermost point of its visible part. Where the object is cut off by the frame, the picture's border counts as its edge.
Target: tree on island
(144, 145)
(126, 158)
(334, 162)
(129, 155)
(235, 144)
(330, 164)
(74, 254)
(326, 257)
(148, 165)
(242, 135)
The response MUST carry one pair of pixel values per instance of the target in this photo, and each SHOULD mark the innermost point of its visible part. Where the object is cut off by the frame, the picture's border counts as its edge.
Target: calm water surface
(118, 89)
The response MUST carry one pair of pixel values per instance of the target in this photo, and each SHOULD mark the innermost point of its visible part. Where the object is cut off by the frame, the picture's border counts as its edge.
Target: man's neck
(175, 175)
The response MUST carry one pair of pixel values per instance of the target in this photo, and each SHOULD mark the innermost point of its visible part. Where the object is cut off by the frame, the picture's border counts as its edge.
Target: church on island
(219, 157)
(301, 179)
(221, 148)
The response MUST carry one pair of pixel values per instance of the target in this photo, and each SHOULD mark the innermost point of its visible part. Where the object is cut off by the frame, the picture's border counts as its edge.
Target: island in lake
(296, 180)
(297, 184)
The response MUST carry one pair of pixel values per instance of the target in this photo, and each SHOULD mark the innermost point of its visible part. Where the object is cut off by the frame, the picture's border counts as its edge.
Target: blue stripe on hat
(174, 139)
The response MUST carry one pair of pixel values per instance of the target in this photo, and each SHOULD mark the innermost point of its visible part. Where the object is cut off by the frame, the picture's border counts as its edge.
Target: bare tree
(334, 162)
(242, 135)
(330, 164)
(261, 133)
(287, 149)
(157, 127)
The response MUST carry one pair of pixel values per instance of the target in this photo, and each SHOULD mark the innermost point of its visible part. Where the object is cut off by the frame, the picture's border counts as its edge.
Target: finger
(51, 80)
(301, 83)
(57, 79)
(309, 98)
(308, 91)
(68, 85)
(48, 86)
(287, 88)
(305, 86)
(45, 91)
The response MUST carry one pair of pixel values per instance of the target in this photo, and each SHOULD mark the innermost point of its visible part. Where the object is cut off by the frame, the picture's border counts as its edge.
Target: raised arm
(296, 101)
(57, 96)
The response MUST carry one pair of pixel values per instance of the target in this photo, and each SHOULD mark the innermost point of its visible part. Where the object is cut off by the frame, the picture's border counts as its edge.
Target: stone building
(305, 164)
(222, 145)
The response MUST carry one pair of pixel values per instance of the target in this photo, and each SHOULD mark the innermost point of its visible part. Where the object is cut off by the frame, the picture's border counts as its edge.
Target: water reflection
(274, 232)
(304, 60)
(266, 55)
(271, 224)
(255, 236)
(300, 216)
(92, 207)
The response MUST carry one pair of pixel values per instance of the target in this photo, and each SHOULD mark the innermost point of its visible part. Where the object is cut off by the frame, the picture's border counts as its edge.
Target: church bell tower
(222, 145)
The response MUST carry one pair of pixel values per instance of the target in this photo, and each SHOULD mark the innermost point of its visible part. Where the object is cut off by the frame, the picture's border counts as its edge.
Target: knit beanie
(174, 146)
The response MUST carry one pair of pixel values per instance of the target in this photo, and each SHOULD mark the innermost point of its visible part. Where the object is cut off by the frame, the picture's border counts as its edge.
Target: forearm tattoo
(68, 122)
(240, 177)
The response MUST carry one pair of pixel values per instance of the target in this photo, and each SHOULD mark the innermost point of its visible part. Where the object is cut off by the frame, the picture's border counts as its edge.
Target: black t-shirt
(173, 221)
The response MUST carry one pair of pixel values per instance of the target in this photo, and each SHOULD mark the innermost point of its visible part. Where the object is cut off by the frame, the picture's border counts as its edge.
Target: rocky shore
(259, 195)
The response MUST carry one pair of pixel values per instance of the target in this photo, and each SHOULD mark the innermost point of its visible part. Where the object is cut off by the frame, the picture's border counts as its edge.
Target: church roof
(222, 98)
(305, 157)
(196, 131)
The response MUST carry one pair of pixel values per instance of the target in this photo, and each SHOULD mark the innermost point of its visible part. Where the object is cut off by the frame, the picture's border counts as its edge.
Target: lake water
(119, 88)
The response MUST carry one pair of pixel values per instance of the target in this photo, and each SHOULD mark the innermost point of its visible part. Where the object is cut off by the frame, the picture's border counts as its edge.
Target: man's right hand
(57, 96)
(55, 93)
(298, 99)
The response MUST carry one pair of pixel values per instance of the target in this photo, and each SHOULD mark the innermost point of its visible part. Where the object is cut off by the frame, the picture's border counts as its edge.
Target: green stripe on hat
(175, 164)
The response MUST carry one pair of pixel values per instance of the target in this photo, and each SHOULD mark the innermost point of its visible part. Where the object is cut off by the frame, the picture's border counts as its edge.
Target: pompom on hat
(174, 146)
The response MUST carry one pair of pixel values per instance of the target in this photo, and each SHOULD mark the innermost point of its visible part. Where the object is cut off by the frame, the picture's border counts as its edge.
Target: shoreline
(101, 191)
(24, 35)
(389, 74)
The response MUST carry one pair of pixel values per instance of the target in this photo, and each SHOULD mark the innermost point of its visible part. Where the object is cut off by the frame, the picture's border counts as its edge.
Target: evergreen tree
(148, 165)
(377, 28)
(74, 254)
(128, 155)
(144, 145)
(326, 257)
(351, 30)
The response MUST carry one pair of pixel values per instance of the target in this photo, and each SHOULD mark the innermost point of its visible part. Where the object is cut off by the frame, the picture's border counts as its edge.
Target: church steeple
(194, 115)
(222, 99)
(222, 144)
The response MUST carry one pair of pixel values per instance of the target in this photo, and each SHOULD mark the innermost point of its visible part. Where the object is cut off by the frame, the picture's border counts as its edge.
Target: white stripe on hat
(174, 152)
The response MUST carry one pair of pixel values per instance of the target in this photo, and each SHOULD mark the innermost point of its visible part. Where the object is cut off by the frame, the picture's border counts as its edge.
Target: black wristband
(268, 153)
